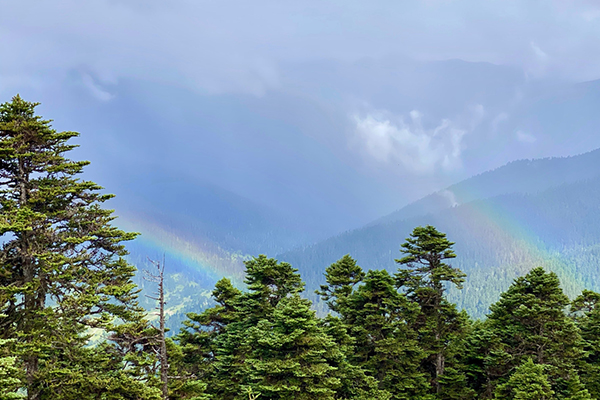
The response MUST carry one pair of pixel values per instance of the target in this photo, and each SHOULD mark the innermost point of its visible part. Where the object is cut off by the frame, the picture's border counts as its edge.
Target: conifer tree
(341, 277)
(199, 330)
(530, 320)
(9, 375)
(355, 382)
(379, 318)
(573, 388)
(268, 282)
(485, 358)
(529, 382)
(62, 269)
(217, 338)
(290, 354)
(195, 365)
(586, 312)
(424, 276)
(184, 385)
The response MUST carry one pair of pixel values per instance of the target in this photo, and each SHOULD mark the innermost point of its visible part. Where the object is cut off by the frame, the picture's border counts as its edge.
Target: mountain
(522, 176)
(203, 232)
(504, 222)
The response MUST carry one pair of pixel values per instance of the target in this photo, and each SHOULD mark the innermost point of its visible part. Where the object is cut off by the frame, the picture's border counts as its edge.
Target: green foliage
(531, 323)
(10, 374)
(355, 382)
(62, 267)
(529, 382)
(485, 359)
(425, 250)
(341, 277)
(586, 310)
(385, 346)
(530, 320)
(424, 276)
(290, 353)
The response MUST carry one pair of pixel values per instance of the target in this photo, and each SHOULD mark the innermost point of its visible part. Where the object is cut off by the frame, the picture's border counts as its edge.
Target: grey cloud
(238, 45)
(255, 96)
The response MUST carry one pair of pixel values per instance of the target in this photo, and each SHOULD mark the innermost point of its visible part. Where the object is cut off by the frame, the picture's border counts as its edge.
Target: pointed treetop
(425, 242)
(341, 277)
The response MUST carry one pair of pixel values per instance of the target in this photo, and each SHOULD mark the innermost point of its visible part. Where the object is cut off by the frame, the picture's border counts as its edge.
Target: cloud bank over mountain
(335, 112)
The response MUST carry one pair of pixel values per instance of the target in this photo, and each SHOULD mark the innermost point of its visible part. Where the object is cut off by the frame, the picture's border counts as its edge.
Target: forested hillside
(506, 221)
(499, 238)
(522, 176)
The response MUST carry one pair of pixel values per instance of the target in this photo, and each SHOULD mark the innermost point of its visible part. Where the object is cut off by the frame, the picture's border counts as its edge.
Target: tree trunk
(439, 370)
(31, 298)
(159, 278)
(164, 366)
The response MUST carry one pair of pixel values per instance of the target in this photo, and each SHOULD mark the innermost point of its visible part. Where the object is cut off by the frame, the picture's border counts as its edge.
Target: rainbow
(526, 249)
(202, 258)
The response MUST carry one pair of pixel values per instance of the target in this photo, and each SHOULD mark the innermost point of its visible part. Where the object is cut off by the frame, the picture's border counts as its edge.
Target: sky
(330, 112)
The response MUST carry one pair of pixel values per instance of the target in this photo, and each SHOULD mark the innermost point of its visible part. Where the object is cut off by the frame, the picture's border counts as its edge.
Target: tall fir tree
(341, 277)
(356, 383)
(62, 266)
(217, 338)
(530, 320)
(485, 358)
(379, 318)
(424, 276)
(291, 354)
(197, 341)
(529, 382)
(585, 310)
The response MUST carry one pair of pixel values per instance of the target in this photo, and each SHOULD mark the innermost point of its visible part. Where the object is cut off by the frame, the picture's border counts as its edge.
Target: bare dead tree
(159, 278)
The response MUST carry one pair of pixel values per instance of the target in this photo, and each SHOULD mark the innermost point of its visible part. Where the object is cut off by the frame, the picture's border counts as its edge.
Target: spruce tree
(573, 388)
(217, 338)
(379, 318)
(195, 365)
(356, 383)
(529, 382)
(530, 321)
(62, 269)
(424, 276)
(485, 358)
(291, 353)
(268, 282)
(9, 374)
(341, 277)
(586, 312)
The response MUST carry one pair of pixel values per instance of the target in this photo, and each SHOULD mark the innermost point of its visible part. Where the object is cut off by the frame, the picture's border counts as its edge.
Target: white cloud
(95, 89)
(539, 53)
(525, 137)
(449, 195)
(408, 143)
(498, 119)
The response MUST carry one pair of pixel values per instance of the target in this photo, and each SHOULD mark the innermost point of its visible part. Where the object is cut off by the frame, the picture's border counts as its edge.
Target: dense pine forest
(71, 325)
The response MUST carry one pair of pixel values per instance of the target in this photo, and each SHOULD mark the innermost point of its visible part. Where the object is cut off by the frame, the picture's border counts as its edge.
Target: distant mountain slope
(204, 233)
(522, 176)
(199, 211)
(496, 238)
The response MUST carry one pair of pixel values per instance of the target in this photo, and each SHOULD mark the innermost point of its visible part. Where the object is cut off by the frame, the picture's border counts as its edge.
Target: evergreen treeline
(71, 326)
(498, 239)
(391, 336)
